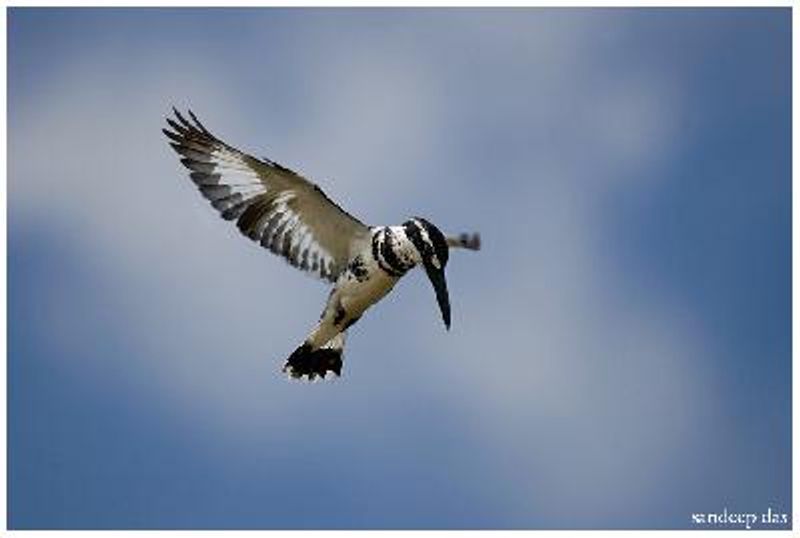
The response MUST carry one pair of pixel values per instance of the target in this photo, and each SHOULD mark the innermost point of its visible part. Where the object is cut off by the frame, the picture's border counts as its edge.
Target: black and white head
(432, 247)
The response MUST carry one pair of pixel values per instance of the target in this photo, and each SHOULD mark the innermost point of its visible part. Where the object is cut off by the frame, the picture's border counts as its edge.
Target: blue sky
(620, 355)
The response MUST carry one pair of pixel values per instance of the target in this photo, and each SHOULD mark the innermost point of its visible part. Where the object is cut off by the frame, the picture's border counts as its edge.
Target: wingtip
(175, 113)
(180, 129)
(183, 124)
(183, 120)
(168, 116)
(197, 122)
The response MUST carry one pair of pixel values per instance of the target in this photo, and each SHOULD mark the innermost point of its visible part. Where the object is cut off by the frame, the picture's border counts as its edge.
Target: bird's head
(431, 245)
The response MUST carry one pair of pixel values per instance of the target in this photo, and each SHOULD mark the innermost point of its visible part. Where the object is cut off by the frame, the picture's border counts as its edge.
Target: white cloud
(555, 356)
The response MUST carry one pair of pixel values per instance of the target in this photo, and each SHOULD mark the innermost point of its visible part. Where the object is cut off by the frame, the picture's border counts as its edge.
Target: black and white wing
(271, 204)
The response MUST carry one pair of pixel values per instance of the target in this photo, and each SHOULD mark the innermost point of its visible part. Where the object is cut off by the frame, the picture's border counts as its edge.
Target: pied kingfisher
(292, 217)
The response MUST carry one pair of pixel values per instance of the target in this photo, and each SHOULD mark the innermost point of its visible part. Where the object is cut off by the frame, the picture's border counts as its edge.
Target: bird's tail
(316, 363)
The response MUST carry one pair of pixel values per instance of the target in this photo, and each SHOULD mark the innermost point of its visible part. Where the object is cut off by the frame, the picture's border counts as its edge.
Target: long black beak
(440, 287)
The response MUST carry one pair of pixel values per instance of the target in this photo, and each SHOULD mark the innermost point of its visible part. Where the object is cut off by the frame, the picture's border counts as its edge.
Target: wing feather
(272, 205)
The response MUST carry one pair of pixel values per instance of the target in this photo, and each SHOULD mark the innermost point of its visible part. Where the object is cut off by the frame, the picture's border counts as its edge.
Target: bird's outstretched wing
(271, 204)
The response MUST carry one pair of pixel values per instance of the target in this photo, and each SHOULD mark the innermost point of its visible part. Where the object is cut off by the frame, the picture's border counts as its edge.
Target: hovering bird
(291, 216)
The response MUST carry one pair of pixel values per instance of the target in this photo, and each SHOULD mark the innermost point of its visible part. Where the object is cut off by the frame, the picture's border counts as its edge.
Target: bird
(292, 217)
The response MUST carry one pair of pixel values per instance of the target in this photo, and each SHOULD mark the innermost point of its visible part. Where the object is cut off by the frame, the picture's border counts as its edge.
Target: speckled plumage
(292, 217)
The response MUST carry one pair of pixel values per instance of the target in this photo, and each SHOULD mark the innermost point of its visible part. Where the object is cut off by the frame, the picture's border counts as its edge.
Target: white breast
(356, 296)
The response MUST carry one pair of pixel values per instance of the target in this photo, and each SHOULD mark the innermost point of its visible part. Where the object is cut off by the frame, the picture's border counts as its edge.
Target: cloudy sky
(621, 348)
